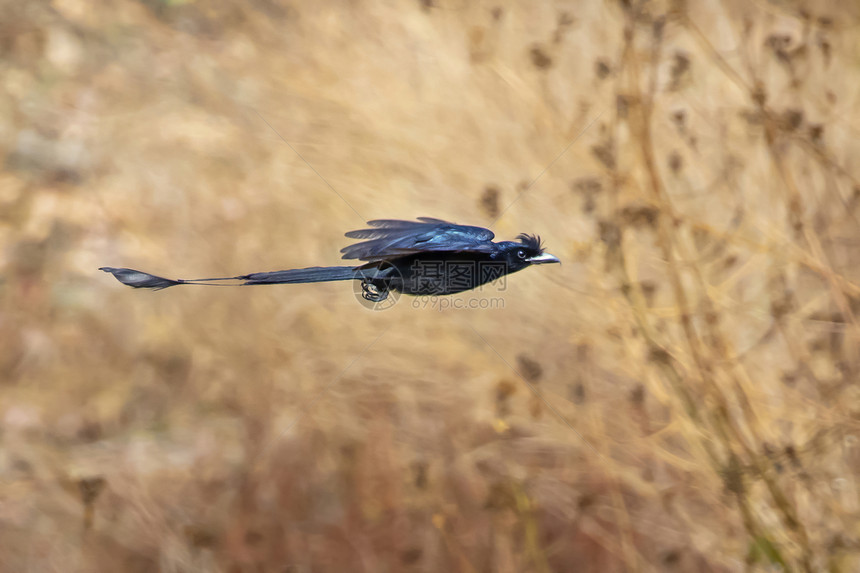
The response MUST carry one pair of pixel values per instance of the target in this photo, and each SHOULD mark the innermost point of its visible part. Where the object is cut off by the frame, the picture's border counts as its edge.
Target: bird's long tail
(139, 279)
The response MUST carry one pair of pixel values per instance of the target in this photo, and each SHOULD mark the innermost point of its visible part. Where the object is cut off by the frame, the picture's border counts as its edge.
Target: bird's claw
(372, 292)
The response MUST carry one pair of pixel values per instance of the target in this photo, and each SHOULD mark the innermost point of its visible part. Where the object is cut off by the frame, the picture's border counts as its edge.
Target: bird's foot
(372, 292)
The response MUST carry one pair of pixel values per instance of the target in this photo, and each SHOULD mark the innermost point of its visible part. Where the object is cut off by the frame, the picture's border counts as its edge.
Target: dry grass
(697, 353)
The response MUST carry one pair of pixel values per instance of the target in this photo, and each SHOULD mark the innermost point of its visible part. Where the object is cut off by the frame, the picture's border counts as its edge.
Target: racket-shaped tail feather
(140, 279)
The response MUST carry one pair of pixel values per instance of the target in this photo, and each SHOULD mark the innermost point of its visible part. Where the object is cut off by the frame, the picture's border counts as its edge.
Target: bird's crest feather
(532, 242)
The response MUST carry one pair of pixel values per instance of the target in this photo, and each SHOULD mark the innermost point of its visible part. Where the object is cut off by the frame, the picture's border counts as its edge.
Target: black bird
(424, 257)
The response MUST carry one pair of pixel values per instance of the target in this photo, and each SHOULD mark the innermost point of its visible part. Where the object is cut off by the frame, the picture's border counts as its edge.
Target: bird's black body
(424, 257)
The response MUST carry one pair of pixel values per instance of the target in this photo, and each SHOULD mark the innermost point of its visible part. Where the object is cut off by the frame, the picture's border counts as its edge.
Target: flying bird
(424, 257)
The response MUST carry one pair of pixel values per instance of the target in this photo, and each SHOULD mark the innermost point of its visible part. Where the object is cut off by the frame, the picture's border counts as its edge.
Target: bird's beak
(542, 259)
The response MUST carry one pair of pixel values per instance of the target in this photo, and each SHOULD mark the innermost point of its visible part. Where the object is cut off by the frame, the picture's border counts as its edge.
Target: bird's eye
(521, 254)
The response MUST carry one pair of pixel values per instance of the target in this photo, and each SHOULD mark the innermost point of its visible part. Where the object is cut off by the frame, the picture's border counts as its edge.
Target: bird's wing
(390, 238)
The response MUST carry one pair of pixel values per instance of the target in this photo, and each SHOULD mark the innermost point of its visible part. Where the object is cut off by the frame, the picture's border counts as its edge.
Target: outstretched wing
(392, 238)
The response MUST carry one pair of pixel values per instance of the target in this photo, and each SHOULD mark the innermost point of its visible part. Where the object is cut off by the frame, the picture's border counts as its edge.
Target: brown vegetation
(682, 394)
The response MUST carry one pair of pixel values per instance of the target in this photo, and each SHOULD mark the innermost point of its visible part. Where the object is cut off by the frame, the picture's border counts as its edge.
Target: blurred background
(681, 394)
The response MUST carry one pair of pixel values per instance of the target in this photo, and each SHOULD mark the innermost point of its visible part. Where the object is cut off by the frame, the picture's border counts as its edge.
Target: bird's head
(525, 251)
